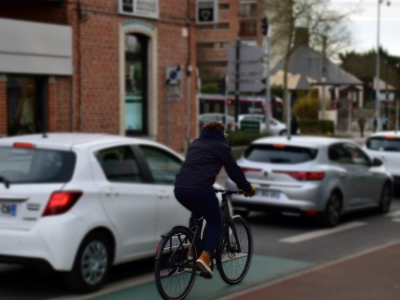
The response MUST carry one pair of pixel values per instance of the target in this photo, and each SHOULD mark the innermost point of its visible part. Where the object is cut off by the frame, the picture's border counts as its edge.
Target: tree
(325, 27)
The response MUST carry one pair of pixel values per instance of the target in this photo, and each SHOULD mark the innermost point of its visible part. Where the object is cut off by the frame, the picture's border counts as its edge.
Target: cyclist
(194, 185)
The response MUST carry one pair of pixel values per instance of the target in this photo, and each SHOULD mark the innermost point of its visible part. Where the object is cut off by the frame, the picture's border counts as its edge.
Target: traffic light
(335, 105)
(264, 26)
(351, 106)
(222, 86)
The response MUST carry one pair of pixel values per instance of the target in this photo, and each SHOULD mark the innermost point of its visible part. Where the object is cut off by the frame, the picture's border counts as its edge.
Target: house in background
(305, 75)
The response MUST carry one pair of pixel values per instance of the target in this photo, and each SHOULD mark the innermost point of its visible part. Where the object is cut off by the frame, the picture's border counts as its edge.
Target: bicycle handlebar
(229, 192)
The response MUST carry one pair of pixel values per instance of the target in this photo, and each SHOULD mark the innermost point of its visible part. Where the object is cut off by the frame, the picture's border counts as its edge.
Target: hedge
(323, 127)
(243, 138)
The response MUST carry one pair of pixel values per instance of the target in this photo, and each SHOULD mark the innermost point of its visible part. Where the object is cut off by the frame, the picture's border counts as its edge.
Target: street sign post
(245, 71)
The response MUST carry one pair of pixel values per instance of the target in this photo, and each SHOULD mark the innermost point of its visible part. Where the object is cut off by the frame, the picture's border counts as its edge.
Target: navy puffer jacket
(204, 160)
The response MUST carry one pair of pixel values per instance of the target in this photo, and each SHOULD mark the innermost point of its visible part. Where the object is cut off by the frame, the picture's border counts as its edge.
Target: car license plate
(271, 194)
(8, 209)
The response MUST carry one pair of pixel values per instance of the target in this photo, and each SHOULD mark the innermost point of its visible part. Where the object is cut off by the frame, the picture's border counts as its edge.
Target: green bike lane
(262, 269)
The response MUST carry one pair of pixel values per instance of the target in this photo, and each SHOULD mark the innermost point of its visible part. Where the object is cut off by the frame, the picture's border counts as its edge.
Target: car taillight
(61, 202)
(244, 170)
(303, 175)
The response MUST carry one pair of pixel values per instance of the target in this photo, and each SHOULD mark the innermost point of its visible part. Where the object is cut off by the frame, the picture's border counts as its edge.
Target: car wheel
(331, 215)
(243, 213)
(91, 265)
(385, 200)
(283, 132)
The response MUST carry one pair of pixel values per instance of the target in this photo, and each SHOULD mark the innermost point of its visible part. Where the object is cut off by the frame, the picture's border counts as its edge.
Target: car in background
(81, 203)
(311, 176)
(276, 127)
(204, 118)
(386, 147)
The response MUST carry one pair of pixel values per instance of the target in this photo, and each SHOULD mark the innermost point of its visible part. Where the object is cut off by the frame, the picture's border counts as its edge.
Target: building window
(248, 10)
(223, 6)
(26, 104)
(248, 28)
(136, 82)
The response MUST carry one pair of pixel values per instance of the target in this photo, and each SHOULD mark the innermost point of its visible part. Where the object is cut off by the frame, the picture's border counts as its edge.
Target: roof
(67, 140)
(382, 85)
(305, 70)
(308, 141)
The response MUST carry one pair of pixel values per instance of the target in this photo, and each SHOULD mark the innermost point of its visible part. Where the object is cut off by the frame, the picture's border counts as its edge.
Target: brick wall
(95, 102)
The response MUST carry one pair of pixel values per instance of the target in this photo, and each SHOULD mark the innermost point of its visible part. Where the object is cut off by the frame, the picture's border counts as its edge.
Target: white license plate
(271, 194)
(8, 209)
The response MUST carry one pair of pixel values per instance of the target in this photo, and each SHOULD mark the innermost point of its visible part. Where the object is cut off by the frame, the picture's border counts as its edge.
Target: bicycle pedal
(205, 275)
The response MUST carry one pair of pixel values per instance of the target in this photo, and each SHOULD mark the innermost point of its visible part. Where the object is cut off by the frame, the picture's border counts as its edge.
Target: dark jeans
(206, 205)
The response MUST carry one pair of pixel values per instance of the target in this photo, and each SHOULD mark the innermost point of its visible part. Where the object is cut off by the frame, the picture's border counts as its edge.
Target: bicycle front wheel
(174, 273)
(232, 263)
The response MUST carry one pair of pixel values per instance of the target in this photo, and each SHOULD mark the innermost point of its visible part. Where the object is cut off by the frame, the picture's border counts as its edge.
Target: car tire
(386, 199)
(331, 215)
(94, 256)
(243, 213)
(283, 132)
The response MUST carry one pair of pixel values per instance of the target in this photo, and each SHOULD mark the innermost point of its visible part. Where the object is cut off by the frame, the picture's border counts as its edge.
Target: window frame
(139, 153)
(349, 145)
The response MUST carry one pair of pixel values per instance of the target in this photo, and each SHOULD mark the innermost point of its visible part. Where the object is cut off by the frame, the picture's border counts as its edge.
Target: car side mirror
(377, 162)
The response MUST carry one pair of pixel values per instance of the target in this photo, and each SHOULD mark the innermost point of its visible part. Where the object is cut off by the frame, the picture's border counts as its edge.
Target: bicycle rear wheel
(232, 264)
(174, 273)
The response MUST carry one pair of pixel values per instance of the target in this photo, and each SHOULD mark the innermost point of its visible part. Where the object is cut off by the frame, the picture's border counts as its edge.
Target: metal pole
(289, 112)
(167, 120)
(397, 116)
(323, 79)
(237, 81)
(189, 70)
(377, 103)
(226, 78)
(267, 85)
(349, 121)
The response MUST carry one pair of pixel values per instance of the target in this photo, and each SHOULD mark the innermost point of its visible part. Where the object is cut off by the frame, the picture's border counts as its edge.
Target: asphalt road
(281, 237)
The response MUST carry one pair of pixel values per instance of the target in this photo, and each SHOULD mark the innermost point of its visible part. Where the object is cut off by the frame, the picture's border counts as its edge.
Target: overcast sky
(364, 24)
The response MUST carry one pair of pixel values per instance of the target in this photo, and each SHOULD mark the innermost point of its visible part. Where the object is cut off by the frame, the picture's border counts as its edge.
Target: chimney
(301, 37)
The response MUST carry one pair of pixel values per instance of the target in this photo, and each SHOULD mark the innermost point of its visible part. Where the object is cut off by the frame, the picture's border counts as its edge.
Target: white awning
(35, 48)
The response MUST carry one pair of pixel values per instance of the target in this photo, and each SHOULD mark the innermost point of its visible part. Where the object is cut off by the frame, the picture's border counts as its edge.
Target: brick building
(97, 66)
(239, 19)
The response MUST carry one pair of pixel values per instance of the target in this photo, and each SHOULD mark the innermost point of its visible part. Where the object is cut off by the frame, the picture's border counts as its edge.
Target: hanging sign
(206, 11)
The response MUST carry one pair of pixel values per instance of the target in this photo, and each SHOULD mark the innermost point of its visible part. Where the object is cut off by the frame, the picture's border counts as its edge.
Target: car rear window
(36, 165)
(280, 154)
(383, 143)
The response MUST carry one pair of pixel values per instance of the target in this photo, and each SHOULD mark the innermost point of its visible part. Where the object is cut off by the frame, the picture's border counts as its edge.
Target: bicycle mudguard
(169, 234)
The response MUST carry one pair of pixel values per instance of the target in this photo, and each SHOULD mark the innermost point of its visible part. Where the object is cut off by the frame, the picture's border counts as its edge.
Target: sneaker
(191, 254)
(204, 264)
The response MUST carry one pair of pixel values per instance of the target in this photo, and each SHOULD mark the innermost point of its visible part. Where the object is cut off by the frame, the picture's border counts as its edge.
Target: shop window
(136, 82)
(26, 102)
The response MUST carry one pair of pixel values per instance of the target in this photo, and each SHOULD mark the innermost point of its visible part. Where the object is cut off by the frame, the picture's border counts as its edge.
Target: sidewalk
(371, 276)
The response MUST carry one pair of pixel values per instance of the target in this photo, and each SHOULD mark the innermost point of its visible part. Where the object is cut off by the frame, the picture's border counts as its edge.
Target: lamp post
(377, 103)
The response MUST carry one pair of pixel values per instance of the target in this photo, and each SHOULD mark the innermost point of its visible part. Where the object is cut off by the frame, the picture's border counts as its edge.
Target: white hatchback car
(386, 147)
(276, 127)
(84, 202)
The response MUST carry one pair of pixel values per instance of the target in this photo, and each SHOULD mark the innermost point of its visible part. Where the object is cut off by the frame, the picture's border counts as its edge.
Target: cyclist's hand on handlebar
(251, 193)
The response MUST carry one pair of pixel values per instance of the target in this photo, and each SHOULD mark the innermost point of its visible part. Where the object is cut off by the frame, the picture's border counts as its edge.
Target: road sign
(249, 77)
(246, 86)
(247, 53)
(246, 68)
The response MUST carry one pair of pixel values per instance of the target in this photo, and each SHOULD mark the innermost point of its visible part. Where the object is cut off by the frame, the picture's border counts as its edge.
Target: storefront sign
(206, 11)
(140, 8)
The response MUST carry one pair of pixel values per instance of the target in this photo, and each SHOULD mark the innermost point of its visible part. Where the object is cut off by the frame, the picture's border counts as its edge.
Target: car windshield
(36, 165)
(383, 143)
(280, 154)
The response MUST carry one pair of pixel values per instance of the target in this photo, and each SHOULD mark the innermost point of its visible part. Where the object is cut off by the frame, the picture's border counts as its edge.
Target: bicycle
(175, 273)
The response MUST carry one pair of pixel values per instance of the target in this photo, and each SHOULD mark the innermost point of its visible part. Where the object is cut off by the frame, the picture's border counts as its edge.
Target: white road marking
(319, 233)
(397, 220)
(393, 214)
